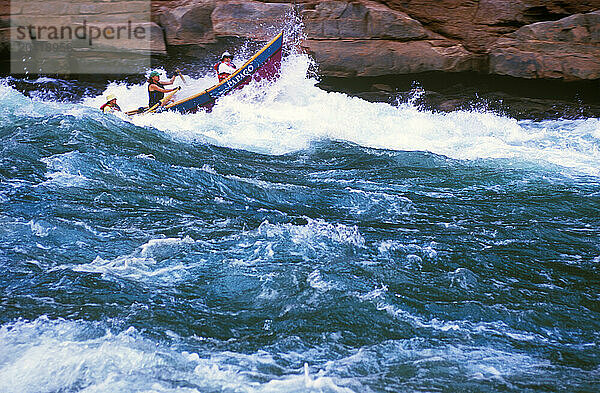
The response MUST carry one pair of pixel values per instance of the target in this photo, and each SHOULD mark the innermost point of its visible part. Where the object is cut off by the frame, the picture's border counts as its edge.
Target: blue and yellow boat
(263, 65)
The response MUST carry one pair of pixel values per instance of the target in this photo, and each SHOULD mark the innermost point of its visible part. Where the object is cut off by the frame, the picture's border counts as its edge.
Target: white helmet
(226, 54)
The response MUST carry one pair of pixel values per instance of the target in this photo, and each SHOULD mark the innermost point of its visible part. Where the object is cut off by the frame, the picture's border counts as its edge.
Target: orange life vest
(116, 107)
(223, 75)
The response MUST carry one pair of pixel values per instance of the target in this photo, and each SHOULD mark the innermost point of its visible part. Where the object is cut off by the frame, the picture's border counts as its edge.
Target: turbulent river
(294, 240)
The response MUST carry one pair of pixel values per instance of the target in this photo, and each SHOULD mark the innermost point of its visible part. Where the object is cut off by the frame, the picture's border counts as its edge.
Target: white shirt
(225, 68)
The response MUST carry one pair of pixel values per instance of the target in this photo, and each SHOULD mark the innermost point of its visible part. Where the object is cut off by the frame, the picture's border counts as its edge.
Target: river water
(294, 240)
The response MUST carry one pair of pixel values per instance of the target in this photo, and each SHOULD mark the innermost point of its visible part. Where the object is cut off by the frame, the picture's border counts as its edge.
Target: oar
(181, 76)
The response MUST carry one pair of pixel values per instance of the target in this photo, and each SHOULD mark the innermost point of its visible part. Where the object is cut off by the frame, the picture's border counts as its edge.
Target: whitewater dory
(263, 65)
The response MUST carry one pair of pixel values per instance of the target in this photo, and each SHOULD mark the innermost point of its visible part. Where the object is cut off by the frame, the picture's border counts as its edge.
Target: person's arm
(169, 82)
(156, 88)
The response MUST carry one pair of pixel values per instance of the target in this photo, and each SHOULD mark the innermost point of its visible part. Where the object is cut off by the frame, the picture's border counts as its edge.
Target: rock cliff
(556, 39)
(534, 39)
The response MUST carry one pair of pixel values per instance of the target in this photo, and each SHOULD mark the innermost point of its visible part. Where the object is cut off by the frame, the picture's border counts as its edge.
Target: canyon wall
(534, 39)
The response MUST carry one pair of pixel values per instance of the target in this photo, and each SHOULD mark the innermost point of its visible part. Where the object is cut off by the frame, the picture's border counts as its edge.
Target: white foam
(314, 232)
(64, 172)
(427, 360)
(161, 248)
(47, 356)
(40, 228)
(303, 383)
(58, 355)
(150, 261)
(461, 326)
(17, 105)
(316, 281)
(289, 114)
(414, 253)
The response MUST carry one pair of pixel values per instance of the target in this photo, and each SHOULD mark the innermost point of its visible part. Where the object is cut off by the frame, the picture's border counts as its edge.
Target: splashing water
(289, 114)
(295, 240)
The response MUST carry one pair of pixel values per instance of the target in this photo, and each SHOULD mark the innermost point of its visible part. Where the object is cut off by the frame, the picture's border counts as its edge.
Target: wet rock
(254, 20)
(367, 38)
(383, 87)
(547, 39)
(364, 20)
(370, 58)
(523, 12)
(479, 23)
(450, 105)
(187, 24)
(566, 49)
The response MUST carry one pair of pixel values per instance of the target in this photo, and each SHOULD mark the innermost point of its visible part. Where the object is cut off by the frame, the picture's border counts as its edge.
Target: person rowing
(225, 67)
(111, 105)
(156, 88)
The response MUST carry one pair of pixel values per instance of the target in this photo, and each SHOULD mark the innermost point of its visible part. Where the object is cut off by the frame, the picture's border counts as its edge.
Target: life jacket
(107, 104)
(154, 96)
(224, 75)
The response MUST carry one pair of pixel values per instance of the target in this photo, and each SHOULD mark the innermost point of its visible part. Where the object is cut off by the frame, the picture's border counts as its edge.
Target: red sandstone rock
(363, 37)
(360, 20)
(523, 38)
(188, 22)
(249, 19)
(368, 39)
(479, 23)
(566, 49)
(381, 57)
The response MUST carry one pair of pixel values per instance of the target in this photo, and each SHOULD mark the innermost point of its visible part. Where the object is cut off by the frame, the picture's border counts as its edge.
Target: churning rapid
(295, 240)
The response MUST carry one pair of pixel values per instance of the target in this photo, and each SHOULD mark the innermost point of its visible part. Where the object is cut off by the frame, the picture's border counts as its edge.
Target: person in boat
(225, 67)
(110, 105)
(156, 88)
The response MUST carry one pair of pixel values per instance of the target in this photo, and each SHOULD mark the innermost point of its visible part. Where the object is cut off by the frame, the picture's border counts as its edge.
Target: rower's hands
(173, 78)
